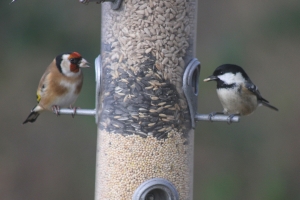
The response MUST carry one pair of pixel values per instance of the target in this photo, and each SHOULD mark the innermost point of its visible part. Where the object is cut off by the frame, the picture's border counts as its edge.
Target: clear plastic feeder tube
(144, 129)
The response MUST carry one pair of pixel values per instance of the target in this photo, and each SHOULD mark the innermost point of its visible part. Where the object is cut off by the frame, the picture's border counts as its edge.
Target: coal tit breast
(237, 93)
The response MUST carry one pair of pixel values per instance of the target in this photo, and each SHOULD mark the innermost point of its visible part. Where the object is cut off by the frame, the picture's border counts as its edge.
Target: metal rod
(218, 118)
(115, 4)
(66, 111)
(12, 1)
(87, 1)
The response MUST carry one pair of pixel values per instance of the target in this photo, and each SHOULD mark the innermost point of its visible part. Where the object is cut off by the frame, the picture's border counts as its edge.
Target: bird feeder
(146, 100)
(145, 134)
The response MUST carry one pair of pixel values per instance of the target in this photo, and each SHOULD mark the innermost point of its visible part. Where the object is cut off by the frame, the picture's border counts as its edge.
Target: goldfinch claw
(74, 110)
(56, 109)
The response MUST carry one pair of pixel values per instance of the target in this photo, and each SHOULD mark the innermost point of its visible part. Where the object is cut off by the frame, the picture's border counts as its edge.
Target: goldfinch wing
(43, 83)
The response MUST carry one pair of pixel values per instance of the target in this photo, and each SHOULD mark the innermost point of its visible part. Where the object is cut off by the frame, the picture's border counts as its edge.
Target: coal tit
(237, 93)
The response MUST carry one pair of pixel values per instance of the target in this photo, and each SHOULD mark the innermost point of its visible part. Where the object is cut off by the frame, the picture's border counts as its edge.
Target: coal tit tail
(267, 104)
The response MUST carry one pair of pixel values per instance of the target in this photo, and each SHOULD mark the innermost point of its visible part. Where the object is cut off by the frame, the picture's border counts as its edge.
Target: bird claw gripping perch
(230, 118)
(212, 114)
(74, 110)
(190, 89)
(56, 109)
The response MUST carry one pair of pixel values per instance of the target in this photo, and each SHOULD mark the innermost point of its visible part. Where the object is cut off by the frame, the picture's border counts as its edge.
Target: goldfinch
(60, 85)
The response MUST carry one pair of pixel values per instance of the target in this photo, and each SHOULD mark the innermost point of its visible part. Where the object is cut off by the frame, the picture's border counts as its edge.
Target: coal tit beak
(211, 78)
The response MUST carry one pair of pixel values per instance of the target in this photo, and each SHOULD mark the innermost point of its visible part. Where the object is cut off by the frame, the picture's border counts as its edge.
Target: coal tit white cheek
(237, 94)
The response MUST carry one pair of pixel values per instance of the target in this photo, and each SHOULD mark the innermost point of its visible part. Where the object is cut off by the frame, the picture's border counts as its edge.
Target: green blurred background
(54, 158)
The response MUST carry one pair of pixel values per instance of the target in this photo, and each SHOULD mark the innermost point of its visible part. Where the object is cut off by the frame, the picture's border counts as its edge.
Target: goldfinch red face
(69, 64)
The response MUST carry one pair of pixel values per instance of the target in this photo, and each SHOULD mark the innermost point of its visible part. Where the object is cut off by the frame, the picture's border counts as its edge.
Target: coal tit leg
(210, 115)
(230, 117)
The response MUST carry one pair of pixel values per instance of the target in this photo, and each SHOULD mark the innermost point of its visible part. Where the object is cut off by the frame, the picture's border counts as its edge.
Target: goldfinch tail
(31, 117)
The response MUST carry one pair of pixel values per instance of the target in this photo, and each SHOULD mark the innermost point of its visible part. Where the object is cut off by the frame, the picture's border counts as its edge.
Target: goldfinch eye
(74, 60)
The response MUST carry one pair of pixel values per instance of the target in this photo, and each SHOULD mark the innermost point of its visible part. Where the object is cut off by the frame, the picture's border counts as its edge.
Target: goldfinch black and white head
(237, 93)
(69, 64)
(60, 85)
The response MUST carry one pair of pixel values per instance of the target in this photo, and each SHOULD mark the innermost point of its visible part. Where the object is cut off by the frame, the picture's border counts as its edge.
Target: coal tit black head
(228, 75)
(230, 68)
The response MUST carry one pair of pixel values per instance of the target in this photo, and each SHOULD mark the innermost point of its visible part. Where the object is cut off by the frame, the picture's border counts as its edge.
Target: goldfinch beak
(84, 63)
(211, 78)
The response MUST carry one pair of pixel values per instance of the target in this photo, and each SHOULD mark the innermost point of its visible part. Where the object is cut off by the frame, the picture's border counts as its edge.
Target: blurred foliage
(54, 158)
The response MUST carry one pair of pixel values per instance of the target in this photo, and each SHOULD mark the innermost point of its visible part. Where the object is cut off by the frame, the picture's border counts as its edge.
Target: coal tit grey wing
(254, 89)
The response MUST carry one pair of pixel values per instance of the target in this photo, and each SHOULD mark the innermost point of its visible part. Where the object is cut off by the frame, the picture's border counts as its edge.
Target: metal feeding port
(156, 189)
(190, 86)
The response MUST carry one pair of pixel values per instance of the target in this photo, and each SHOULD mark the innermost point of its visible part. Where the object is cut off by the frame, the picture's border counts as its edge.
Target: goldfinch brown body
(60, 85)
